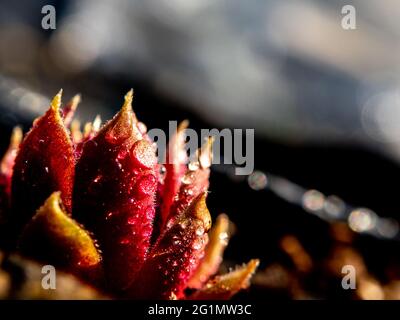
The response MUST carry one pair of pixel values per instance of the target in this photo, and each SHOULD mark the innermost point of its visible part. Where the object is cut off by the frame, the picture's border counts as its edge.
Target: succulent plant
(98, 205)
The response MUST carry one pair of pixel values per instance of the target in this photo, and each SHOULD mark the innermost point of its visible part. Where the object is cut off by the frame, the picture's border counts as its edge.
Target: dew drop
(143, 155)
(223, 238)
(122, 154)
(200, 231)
(193, 166)
(187, 178)
(142, 127)
(162, 171)
(170, 223)
(91, 144)
(150, 212)
(131, 220)
(197, 244)
(111, 137)
(125, 241)
(119, 165)
(146, 185)
(183, 224)
(176, 240)
(109, 215)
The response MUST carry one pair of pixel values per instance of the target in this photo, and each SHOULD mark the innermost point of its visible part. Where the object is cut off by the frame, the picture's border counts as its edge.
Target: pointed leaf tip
(7, 162)
(183, 125)
(56, 102)
(96, 124)
(206, 155)
(16, 137)
(199, 210)
(44, 163)
(76, 99)
(52, 236)
(69, 110)
(128, 101)
(225, 286)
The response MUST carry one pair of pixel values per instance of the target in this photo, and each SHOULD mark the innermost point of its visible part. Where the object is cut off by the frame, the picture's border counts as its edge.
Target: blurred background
(324, 103)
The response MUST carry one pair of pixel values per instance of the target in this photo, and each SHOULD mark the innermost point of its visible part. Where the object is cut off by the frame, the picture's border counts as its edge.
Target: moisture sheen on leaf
(114, 194)
(175, 170)
(225, 286)
(44, 164)
(175, 255)
(54, 237)
(218, 240)
(194, 182)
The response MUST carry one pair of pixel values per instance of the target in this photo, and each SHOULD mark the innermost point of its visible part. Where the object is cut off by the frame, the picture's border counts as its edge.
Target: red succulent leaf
(69, 110)
(219, 237)
(225, 286)
(52, 236)
(175, 167)
(194, 182)
(44, 164)
(175, 256)
(114, 194)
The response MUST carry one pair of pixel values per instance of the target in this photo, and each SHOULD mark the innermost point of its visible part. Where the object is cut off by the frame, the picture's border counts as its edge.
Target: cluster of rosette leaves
(98, 205)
